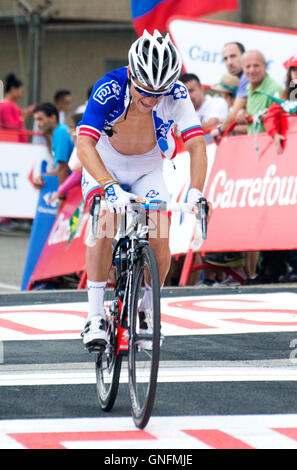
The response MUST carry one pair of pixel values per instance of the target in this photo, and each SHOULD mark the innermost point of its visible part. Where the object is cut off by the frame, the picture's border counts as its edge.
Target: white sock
(147, 299)
(96, 296)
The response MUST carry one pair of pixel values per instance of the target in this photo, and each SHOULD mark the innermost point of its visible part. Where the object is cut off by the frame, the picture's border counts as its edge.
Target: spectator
(210, 109)
(272, 119)
(74, 164)
(232, 55)
(82, 107)
(62, 100)
(47, 119)
(260, 84)
(11, 116)
(227, 88)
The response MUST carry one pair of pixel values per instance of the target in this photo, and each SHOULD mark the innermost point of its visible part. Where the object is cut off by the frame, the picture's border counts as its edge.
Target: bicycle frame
(134, 236)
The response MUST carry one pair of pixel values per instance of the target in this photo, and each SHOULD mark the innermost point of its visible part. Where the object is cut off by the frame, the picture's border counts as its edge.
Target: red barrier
(12, 135)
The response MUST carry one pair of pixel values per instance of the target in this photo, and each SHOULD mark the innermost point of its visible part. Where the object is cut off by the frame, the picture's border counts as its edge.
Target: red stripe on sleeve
(89, 132)
(190, 133)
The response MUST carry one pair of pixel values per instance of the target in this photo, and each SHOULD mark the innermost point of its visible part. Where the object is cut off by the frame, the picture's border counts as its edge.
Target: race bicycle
(133, 267)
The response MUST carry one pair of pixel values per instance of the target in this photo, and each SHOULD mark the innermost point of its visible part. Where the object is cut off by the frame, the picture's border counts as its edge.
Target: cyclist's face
(144, 104)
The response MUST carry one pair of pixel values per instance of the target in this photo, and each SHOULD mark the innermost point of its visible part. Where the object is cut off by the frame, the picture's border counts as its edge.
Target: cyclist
(126, 130)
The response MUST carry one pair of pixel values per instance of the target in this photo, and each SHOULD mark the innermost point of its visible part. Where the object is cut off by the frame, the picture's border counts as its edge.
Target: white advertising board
(18, 164)
(200, 43)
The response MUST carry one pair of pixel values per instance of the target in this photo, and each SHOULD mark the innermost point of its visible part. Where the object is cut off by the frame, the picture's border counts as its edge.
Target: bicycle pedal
(95, 347)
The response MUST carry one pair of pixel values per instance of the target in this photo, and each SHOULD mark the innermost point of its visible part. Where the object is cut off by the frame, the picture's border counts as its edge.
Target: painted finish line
(188, 432)
(205, 315)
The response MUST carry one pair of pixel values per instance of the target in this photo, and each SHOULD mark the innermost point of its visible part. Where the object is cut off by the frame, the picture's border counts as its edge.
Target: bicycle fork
(123, 333)
(123, 326)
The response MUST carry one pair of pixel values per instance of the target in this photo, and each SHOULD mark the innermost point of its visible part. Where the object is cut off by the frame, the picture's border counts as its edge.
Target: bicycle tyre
(143, 383)
(108, 364)
(107, 394)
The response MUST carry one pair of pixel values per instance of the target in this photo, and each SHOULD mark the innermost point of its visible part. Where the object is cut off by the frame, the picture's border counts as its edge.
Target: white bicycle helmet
(155, 61)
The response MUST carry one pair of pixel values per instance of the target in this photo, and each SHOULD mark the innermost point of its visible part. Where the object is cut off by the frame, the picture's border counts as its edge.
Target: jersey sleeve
(185, 115)
(102, 100)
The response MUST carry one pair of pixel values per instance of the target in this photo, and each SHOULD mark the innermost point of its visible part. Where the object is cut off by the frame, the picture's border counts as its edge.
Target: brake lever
(202, 202)
(95, 211)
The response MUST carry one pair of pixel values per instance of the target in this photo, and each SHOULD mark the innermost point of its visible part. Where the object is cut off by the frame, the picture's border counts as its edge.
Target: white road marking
(9, 286)
(189, 372)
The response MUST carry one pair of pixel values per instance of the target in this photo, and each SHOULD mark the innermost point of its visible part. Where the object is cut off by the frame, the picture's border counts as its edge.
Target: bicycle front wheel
(144, 349)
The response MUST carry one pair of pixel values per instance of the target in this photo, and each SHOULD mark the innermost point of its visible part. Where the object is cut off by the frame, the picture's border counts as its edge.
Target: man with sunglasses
(126, 131)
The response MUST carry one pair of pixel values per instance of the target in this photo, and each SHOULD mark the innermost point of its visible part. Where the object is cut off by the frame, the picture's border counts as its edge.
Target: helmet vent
(156, 60)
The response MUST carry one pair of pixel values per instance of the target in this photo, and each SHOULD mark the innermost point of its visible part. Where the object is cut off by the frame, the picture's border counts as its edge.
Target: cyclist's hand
(118, 200)
(193, 197)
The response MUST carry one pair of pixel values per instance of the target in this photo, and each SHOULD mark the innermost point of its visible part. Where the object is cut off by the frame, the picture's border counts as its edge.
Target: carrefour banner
(254, 195)
(200, 43)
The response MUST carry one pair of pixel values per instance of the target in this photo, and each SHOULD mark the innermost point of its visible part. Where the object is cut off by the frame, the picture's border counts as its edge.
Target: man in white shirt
(211, 110)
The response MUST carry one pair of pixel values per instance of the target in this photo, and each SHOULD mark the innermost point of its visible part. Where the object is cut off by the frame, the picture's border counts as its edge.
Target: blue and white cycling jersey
(110, 98)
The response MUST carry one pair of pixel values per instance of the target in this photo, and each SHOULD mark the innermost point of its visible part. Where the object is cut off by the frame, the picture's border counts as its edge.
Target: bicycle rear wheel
(143, 361)
(108, 363)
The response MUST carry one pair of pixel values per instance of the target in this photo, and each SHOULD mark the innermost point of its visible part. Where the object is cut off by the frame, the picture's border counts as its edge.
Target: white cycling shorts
(143, 174)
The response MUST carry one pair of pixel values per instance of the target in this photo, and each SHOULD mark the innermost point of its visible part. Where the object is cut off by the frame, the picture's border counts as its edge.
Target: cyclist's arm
(90, 158)
(198, 166)
(198, 161)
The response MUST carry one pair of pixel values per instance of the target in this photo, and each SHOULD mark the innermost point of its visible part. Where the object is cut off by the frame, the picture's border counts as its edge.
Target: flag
(75, 220)
(153, 14)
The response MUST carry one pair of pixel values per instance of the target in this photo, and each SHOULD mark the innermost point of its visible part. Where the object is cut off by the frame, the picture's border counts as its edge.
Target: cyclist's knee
(161, 249)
